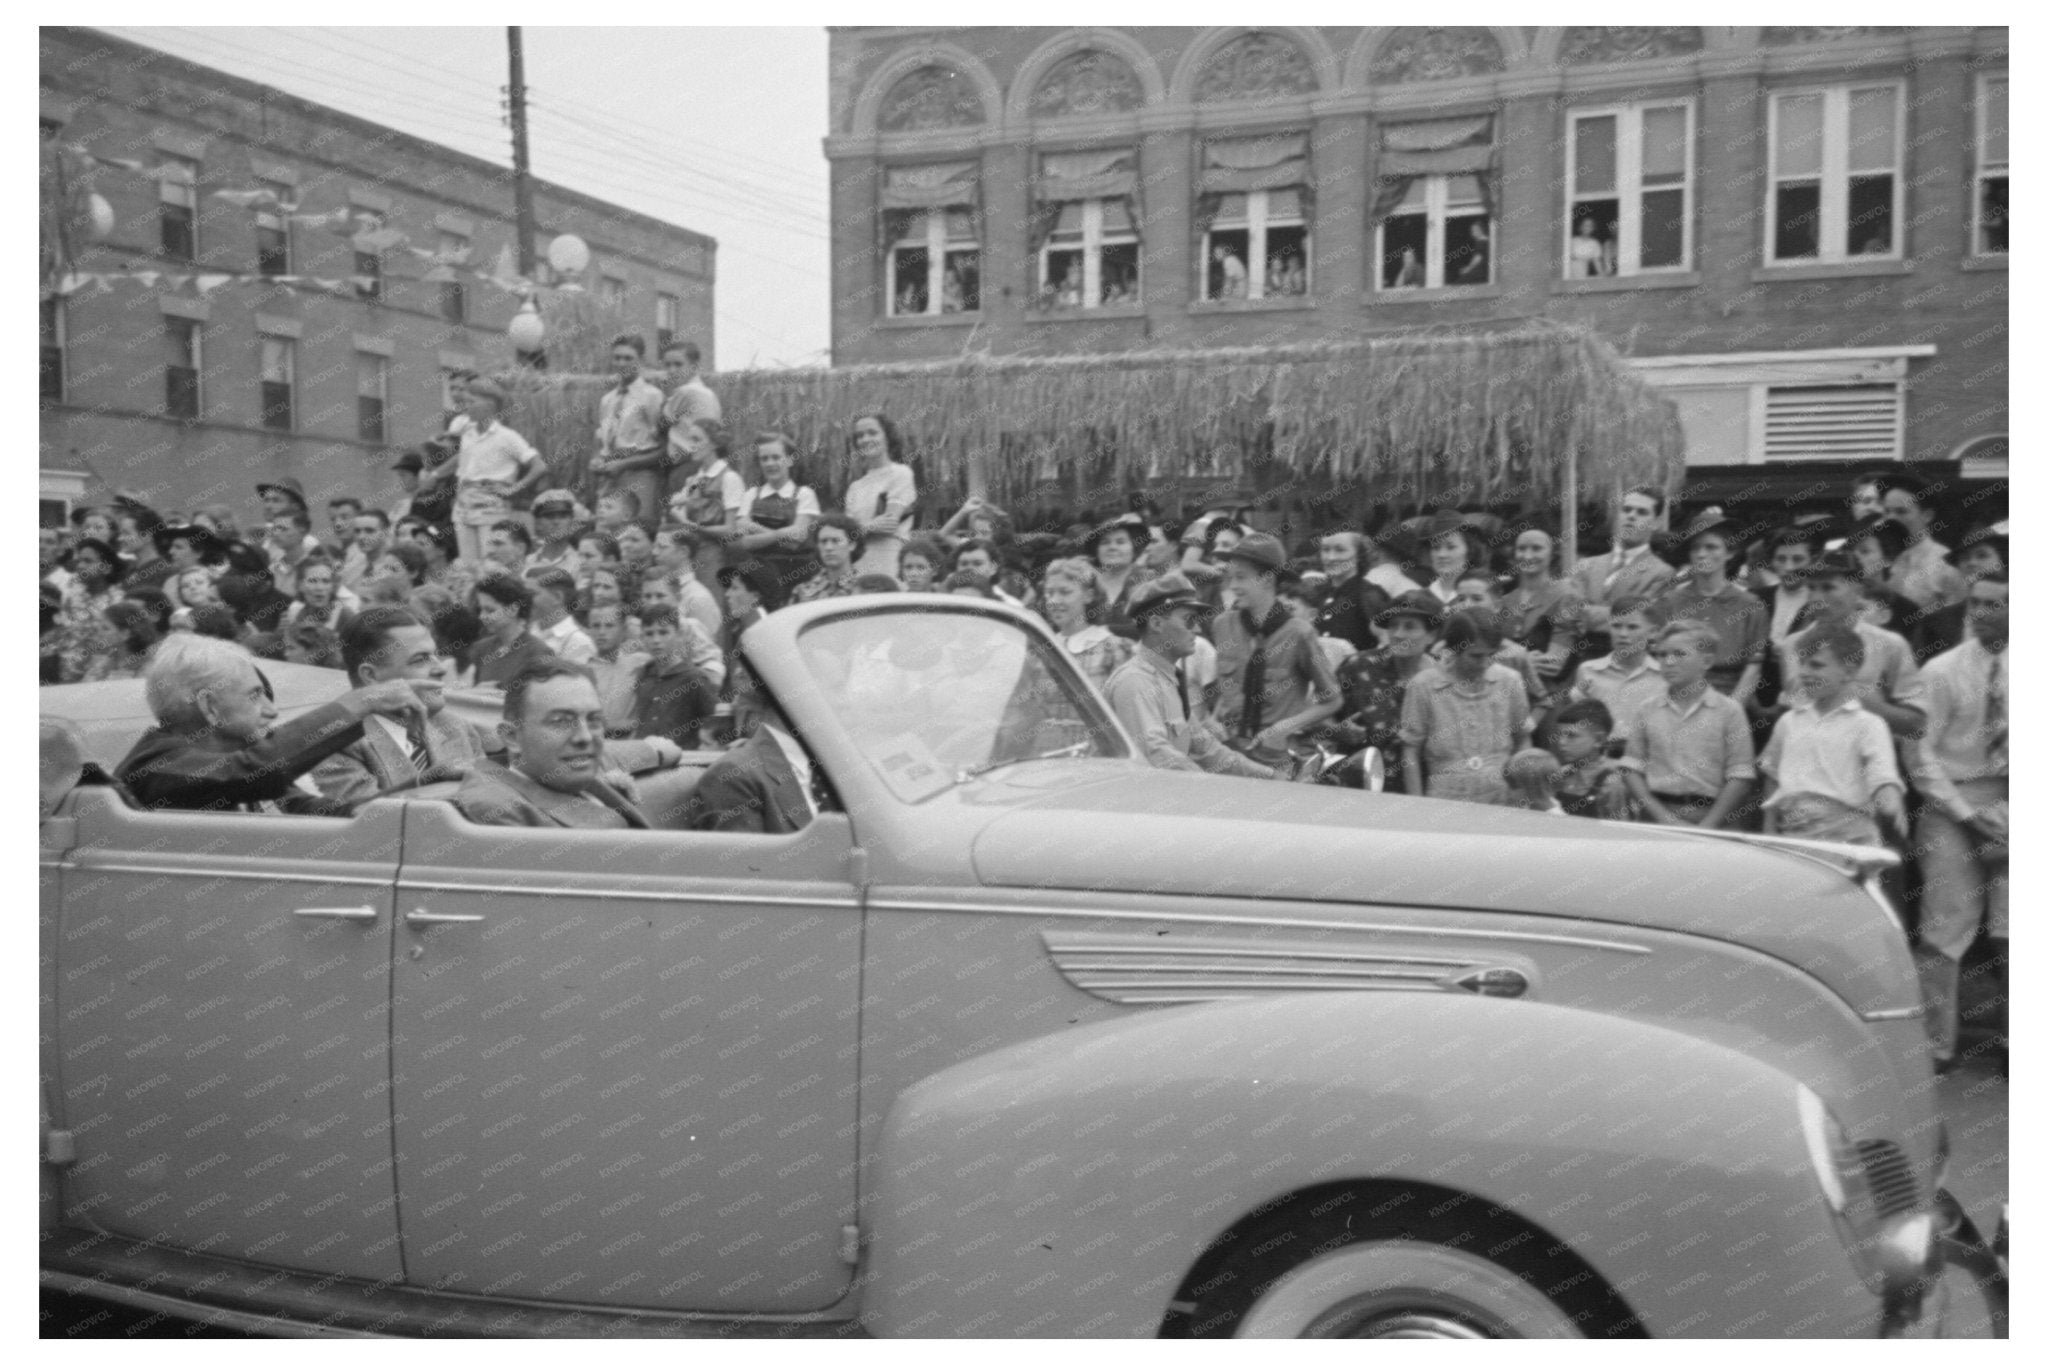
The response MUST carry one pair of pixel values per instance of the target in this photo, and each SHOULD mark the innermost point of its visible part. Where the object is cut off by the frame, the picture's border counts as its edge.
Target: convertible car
(1018, 1037)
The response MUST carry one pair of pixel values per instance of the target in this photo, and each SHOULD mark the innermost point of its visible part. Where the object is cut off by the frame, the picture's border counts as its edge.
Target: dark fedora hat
(288, 486)
(1836, 564)
(1712, 519)
(1421, 605)
(410, 459)
(209, 546)
(1136, 526)
(761, 580)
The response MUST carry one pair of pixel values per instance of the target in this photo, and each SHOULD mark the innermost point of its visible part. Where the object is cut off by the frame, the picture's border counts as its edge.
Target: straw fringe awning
(1466, 415)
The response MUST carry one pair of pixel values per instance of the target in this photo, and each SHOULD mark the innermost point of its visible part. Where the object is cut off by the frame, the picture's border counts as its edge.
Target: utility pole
(522, 168)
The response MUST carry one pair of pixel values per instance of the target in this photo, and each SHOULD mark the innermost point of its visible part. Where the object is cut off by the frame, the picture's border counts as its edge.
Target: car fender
(1065, 1186)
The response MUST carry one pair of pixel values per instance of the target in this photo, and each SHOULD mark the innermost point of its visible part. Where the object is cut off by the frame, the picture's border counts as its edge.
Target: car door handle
(422, 919)
(362, 914)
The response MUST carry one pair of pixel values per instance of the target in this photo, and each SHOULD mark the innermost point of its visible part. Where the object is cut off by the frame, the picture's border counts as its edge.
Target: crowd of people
(1838, 677)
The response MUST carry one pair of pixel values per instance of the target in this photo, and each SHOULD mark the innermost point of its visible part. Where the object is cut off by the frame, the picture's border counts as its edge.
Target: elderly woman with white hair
(217, 744)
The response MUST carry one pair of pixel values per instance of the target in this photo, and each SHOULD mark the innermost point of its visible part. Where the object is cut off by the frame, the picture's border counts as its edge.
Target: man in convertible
(555, 774)
(217, 744)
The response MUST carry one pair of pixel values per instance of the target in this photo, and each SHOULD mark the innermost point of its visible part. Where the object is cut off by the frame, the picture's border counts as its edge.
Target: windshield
(936, 697)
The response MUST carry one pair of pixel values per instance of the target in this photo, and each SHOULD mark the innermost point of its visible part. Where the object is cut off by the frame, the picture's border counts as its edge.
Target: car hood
(1183, 834)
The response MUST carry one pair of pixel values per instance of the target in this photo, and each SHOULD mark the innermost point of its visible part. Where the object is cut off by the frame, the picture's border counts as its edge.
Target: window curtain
(907, 191)
(1236, 165)
(1445, 146)
(1064, 177)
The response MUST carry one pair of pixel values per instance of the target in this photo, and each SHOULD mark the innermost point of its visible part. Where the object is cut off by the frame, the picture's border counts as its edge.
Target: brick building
(1798, 233)
(192, 396)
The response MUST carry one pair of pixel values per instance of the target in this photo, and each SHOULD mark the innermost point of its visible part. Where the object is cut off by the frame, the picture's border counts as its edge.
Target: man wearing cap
(1986, 549)
(1739, 621)
(1149, 693)
(1631, 568)
(556, 520)
(1273, 679)
(494, 466)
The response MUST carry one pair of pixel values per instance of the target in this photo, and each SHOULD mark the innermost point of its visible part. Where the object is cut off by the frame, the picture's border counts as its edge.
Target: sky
(714, 129)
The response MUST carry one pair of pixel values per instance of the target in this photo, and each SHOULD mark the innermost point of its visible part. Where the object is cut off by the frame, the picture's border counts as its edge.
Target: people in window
(1235, 281)
(1590, 257)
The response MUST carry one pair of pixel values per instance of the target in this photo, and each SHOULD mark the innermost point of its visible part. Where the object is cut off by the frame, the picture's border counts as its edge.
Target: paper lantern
(568, 253)
(526, 329)
(99, 217)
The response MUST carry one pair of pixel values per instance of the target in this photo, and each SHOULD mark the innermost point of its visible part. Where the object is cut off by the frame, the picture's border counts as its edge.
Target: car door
(222, 988)
(625, 1063)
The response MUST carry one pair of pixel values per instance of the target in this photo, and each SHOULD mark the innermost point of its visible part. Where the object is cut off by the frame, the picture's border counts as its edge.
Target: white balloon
(99, 217)
(526, 330)
(568, 253)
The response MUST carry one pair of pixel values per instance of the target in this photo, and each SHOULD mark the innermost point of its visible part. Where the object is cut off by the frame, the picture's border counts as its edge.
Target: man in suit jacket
(1631, 568)
(380, 644)
(554, 733)
(767, 785)
(217, 744)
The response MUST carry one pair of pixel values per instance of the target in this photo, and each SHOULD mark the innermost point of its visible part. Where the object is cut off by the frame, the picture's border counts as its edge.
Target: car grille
(1890, 1176)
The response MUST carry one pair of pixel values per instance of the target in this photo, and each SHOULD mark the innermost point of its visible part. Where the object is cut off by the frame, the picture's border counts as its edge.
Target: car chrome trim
(1901, 1012)
(1143, 969)
(362, 914)
(242, 875)
(694, 897)
(200, 1287)
(1256, 922)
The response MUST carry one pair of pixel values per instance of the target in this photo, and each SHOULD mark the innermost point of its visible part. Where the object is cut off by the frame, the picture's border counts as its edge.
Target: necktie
(1620, 563)
(1181, 680)
(416, 745)
(1995, 730)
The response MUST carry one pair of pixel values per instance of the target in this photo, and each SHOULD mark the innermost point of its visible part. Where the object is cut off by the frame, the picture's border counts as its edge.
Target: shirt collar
(1807, 704)
(714, 469)
(786, 489)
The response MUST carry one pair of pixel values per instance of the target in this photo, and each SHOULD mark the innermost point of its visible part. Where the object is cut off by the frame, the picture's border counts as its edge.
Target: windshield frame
(1093, 710)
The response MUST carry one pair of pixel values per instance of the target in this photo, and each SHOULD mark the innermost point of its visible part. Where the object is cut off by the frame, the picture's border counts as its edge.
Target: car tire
(1337, 1277)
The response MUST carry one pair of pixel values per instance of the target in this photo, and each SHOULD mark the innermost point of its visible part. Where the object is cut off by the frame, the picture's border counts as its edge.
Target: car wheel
(1354, 1277)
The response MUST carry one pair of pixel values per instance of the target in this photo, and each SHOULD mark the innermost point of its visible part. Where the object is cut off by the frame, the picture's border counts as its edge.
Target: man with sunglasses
(1150, 694)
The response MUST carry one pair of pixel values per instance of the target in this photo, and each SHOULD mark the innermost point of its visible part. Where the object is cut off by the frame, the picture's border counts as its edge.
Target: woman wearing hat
(1375, 681)
(1114, 546)
(1740, 622)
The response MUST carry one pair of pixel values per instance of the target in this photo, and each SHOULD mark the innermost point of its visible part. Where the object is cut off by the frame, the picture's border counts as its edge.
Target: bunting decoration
(69, 172)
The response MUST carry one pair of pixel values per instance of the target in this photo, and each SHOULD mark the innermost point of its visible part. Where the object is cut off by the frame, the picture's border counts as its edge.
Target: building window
(454, 299)
(1631, 175)
(1989, 202)
(274, 231)
(668, 321)
(372, 383)
(178, 209)
(1090, 258)
(1835, 182)
(614, 291)
(278, 367)
(182, 397)
(935, 264)
(1257, 247)
(1251, 213)
(1440, 234)
(369, 271)
(53, 349)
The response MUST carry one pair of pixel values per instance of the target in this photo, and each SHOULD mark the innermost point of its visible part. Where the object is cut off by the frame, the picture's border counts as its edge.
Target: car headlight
(1869, 1188)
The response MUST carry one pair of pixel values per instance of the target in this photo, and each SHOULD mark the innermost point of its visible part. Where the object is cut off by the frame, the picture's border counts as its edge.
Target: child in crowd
(615, 668)
(1689, 758)
(1459, 723)
(673, 697)
(1829, 763)
(614, 510)
(1588, 782)
(1628, 679)
(1532, 777)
